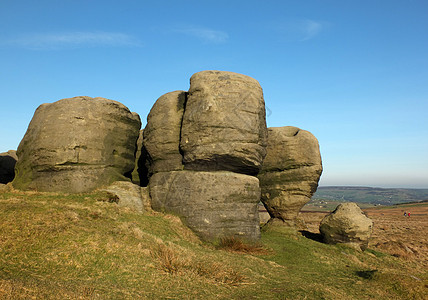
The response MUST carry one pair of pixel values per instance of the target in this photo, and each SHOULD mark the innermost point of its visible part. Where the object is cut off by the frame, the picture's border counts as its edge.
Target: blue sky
(354, 73)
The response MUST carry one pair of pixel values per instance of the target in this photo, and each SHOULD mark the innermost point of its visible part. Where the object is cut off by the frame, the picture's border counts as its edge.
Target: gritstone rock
(129, 195)
(212, 204)
(7, 166)
(224, 123)
(162, 133)
(77, 145)
(290, 172)
(347, 225)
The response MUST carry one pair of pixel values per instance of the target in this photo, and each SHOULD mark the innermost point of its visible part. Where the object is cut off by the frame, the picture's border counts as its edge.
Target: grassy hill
(56, 246)
(370, 195)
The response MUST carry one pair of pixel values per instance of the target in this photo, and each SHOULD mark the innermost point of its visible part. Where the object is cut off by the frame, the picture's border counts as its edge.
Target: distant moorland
(326, 196)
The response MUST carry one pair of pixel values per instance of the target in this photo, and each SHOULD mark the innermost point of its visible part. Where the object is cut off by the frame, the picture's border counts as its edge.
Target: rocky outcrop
(347, 225)
(217, 133)
(77, 145)
(213, 204)
(7, 166)
(224, 123)
(130, 195)
(162, 133)
(290, 172)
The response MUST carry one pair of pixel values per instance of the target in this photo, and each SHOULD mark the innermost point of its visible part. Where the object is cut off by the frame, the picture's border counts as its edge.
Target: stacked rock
(77, 145)
(204, 148)
(290, 173)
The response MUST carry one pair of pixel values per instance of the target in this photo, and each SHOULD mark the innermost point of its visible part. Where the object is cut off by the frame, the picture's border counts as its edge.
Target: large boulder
(77, 145)
(213, 204)
(224, 123)
(162, 133)
(290, 173)
(347, 225)
(7, 166)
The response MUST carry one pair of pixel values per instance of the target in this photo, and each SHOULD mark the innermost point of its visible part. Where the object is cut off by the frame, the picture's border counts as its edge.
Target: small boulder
(162, 133)
(290, 172)
(224, 123)
(347, 225)
(213, 204)
(128, 195)
(7, 166)
(77, 145)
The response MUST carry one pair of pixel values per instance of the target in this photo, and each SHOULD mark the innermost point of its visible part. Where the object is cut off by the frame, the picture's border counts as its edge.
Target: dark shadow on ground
(310, 235)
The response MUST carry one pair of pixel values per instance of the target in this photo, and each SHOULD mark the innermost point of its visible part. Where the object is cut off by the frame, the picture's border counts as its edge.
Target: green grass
(56, 246)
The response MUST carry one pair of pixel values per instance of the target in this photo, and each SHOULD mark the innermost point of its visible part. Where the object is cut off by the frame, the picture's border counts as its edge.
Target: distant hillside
(383, 196)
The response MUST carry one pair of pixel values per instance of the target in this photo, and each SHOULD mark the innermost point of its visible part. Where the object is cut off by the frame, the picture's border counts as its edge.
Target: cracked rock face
(347, 225)
(224, 123)
(76, 145)
(290, 173)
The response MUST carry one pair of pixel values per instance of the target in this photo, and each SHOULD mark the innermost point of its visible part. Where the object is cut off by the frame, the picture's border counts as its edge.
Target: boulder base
(212, 204)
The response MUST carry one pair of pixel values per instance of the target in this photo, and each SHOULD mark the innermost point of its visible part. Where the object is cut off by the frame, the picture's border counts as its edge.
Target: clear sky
(354, 73)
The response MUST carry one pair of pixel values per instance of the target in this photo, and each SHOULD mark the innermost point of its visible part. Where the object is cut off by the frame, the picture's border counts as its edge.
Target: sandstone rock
(290, 172)
(212, 204)
(7, 166)
(162, 133)
(224, 123)
(76, 145)
(127, 194)
(347, 225)
(140, 173)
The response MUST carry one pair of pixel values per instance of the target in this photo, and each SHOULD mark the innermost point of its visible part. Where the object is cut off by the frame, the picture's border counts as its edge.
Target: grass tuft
(234, 244)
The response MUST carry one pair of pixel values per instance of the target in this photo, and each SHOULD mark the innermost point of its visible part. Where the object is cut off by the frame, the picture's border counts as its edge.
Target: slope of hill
(369, 195)
(55, 246)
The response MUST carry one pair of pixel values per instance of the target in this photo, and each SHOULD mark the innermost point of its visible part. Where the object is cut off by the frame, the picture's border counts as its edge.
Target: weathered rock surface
(128, 195)
(224, 123)
(290, 172)
(140, 173)
(162, 133)
(212, 204)
(7, 166)
(347, 225)
(77, 145)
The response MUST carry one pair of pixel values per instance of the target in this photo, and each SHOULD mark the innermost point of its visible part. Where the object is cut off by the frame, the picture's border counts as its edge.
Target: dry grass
(179, 263)
(237, 245)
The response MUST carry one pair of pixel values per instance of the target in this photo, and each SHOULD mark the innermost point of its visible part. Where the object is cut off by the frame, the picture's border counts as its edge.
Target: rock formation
(224, 123)
(347, 225)
(217, 134)
(290, 172)
(7, 166)
(213, 204)
(162, 133)
(76, 145)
